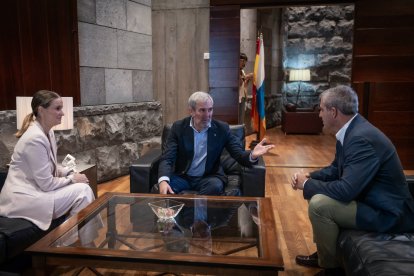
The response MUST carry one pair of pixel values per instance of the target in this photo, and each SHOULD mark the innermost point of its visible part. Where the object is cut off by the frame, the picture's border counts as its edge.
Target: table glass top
(202, 226)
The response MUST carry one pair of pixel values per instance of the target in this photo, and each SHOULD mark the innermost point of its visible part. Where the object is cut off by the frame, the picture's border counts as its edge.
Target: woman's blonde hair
(41, 98)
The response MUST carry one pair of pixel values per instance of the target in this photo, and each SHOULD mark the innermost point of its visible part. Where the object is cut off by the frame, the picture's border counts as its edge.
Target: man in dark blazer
(364, 188)
(191, 160)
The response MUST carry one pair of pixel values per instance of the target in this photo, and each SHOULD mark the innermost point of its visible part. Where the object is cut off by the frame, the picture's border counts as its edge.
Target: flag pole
(253, 143)
(257, 141)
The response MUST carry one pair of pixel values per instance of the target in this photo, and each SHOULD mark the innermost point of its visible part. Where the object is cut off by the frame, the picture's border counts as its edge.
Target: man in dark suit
(191, 160)
(364, 188)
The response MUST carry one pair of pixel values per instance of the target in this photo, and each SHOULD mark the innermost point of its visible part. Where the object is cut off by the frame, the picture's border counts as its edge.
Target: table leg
(39, 265)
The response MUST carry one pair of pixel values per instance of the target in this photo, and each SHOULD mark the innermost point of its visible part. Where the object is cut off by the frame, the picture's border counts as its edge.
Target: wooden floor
(292, 152)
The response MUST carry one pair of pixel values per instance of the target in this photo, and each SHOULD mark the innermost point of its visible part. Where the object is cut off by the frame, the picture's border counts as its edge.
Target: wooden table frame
(270, 262)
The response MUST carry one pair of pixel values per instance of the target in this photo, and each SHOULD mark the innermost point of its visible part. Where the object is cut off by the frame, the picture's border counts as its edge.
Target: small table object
(91, 173)
(210, 235)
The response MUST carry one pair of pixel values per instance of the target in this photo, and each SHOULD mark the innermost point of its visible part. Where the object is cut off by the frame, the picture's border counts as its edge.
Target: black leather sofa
(366, 253)
(15, 236)
(250, 181)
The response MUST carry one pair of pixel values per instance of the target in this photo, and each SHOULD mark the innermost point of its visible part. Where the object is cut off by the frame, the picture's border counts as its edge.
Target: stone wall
(319, 38)
(110, 136)
(115, 51)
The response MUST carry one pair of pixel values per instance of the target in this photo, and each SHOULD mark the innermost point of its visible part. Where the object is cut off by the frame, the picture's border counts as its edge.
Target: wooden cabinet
(301, 121)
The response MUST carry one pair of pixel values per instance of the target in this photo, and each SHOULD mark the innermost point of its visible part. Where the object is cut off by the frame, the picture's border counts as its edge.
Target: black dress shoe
(311, 260)
(337, 271)
(232, 192)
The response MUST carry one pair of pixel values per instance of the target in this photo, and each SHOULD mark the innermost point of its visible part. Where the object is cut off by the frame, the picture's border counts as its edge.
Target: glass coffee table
(193, 235)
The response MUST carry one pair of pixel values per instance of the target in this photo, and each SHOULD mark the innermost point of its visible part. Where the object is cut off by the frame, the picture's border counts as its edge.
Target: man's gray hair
(341, 97)
(199, 97)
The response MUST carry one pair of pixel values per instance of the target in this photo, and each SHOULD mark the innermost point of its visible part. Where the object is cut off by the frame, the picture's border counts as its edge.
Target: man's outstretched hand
(261, 148)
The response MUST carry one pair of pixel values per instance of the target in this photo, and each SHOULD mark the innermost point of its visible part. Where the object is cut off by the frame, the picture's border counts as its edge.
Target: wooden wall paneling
(362, 89)
(405, 152)
(389, 106)
(222, 59)
(398, 126)
(223, 76)
(171, 76)
(158, 59)
(33, 27)
(10, 66)
(390, 109)
(222, 110)
(384, 57)
(39, 49)
(202, 46)
(378, 21)
(384, 41)
(383, 13)
(74, 61)
(187, 81)
(393, 96)
(180, 37)
(384, 7)
(274, 3)
(383, 68)
(397, 123)
(64, 67)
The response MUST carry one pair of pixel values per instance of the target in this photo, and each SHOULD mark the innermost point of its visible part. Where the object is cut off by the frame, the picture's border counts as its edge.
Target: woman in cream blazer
(36, 188)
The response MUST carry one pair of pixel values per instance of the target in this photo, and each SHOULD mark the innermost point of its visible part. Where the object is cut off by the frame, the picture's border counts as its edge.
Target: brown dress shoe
(311, 260)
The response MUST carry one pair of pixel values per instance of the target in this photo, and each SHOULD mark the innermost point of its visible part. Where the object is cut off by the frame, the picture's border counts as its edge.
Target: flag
(258, 104)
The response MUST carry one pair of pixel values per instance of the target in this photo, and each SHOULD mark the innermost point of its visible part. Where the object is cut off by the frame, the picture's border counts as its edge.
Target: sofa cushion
(367, 253)
(17, 234)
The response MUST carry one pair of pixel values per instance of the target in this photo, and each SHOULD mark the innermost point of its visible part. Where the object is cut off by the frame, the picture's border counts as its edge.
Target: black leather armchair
(250, 181)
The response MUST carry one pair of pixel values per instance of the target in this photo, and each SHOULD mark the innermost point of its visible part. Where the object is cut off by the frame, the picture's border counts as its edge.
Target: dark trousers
(209, 185)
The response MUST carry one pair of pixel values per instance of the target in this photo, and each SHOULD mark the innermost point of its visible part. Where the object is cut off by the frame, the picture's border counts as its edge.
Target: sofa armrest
(253, 179)
(410, 182)
(3, 176)
(144, 172)
(3, 248)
